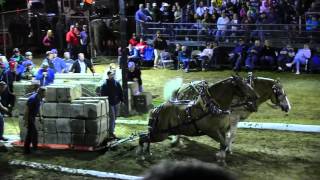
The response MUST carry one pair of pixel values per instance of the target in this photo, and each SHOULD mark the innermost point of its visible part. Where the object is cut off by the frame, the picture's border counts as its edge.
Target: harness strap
(191, 121)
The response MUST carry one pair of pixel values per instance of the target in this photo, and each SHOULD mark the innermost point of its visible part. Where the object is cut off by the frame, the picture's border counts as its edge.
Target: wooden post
(123, 62)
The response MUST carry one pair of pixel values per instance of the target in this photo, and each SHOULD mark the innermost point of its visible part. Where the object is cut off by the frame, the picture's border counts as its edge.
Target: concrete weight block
(92, 139)
(64, 138)
(92, 110)
(41, 137)
(77, 111)
(50, 138)
(63, 110)
(39, 125)
(63, 125)
(104, 98)
(93, 126)
(77, 126)
(69, 93)
(51, 94)
(21, 105)
(104, 123)
(49, 125)
(77, 139)
(49, 110)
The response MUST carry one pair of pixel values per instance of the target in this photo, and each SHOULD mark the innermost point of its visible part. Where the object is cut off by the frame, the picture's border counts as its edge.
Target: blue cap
(131, 65)
(54, 51)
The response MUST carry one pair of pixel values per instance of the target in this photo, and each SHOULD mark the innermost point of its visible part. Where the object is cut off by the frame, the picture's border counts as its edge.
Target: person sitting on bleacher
(133, 41)
(134, 74)
(286, 55)
(237, 55)
(268, 55)
(253, 55)
(206, 56)
(141, 46)
(184, 57)
(301, 57)
(175, 55)
(133, 54)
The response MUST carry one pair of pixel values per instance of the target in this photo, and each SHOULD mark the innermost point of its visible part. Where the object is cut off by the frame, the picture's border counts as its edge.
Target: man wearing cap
(31, 111)
(29, 71)
(17, 56)
(113, 90)
(167, 15)
(134, 74)
(81, 65)
(58, 63)
(156, 13)
(28, 59)
(3, 87)
(45, 74)
(48, 60)
(12, 74)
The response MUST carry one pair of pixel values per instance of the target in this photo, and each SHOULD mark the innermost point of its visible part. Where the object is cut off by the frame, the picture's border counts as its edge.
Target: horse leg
(233, 131)
(221, 155)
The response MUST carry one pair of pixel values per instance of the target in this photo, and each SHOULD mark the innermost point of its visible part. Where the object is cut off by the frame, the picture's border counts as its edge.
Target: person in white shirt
(200, 10)
(81, 65)
(206, 56)
(301, 57)
(222, 27)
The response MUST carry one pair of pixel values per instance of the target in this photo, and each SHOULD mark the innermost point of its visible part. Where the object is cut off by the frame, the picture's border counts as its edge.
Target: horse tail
(171, 88)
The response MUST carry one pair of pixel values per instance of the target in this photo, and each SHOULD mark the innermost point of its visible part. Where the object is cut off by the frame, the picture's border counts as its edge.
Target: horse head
(245, 91)
(279, 97)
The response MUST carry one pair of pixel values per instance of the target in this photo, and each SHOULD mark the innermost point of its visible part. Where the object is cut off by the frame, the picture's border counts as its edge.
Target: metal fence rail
(279, 34)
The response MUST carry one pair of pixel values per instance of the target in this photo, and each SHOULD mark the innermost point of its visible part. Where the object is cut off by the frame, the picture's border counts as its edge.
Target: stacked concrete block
(143, 102)
(63, 93)
(133, 87)
(68, 118)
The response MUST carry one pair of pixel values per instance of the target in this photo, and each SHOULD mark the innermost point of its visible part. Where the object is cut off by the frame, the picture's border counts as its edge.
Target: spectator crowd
(220, 18)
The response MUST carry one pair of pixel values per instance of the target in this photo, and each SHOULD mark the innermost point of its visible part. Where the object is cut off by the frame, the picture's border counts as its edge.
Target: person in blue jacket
(238, 54)
(59, 64)
(45, 75)
(253, 55)
(184, 56)
(28, 59)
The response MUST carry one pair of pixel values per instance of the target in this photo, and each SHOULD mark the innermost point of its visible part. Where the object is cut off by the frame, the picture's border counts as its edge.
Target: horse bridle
(248, 103)
(278, 93)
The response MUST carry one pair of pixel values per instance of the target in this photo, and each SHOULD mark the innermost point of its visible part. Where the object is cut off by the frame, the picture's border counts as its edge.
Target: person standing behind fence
(48, 40)
(141, 18)
(72, 41)
(113, 90)
(159, 45)
(84, 40)
(82, 64)
(31, 111)
(156, 13)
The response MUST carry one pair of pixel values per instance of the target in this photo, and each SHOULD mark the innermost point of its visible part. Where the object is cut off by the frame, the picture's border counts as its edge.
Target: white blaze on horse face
(288, 102)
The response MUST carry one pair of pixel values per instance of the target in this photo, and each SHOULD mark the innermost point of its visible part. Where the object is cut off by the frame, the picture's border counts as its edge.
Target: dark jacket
(135, 74)
(159, 43)
(113, 90)
(77, 69)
